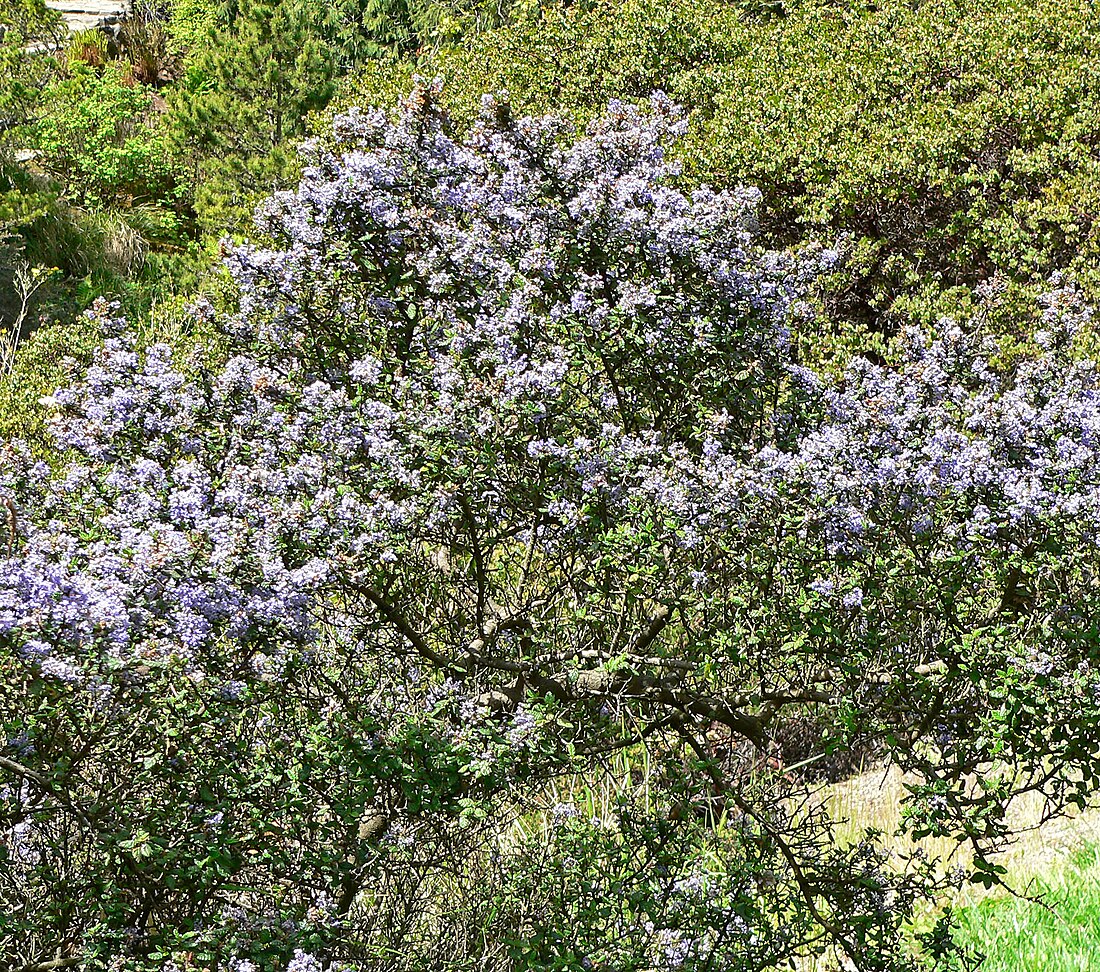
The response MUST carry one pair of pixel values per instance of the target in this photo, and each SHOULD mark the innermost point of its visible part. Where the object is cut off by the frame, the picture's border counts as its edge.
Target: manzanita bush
(505, 466)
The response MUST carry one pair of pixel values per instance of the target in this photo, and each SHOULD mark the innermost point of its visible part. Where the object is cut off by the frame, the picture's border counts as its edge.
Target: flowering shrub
(507, 466)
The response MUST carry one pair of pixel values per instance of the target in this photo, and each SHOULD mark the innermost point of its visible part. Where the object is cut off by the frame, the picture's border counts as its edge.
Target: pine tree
(367, 29)
(244, 101)
(28, 32)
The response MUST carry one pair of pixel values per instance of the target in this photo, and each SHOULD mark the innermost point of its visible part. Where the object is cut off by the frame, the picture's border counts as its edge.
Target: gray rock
(88, 14)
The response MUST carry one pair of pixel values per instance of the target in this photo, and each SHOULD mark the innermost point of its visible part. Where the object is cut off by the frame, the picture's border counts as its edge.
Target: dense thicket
(509, 467)
(500, 462)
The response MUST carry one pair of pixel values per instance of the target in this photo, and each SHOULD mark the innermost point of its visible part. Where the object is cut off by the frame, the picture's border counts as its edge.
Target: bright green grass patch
(1020, 936)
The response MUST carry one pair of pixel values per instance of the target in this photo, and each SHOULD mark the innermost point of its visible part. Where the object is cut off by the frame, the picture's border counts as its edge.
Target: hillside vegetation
(479, 481)
(944, 145)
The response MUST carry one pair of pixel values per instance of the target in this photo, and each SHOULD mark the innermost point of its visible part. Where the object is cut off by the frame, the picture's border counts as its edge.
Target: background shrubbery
(944, 144)
(940, 145)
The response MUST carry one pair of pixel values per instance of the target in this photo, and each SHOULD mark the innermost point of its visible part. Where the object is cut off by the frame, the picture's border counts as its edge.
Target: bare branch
(391, 614)
(52, 965)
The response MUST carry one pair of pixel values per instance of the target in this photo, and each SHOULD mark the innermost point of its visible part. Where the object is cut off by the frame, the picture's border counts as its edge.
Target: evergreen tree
(244, 100)
(27, 31)
(376, 28)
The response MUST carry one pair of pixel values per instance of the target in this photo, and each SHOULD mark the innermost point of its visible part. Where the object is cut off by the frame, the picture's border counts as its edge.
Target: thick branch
(52, 965)
(479, 560)
(590, 683)
(410, 634)
(658, 624)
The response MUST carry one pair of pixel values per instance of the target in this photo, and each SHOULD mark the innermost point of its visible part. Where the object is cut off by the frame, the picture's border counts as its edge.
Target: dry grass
(874, 800)
(1041, 852)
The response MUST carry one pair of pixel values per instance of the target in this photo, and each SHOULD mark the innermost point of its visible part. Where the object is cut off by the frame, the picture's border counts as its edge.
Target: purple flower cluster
(430, 297)
(951, 451)
(445, 323)
(456, 349)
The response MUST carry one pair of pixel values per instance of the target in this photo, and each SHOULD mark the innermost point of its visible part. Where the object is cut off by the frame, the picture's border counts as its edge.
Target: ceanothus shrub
(505, 466)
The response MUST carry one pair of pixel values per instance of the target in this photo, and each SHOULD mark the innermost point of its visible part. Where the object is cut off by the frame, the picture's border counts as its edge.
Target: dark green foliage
(367, 28)
(22, 23)
(251, 88)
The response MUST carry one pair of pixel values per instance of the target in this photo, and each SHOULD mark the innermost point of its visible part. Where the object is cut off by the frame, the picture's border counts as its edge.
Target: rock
(88, 14)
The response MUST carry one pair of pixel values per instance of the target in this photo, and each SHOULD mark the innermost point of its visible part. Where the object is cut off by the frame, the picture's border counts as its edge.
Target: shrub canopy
(943, 144)
(508, 468)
